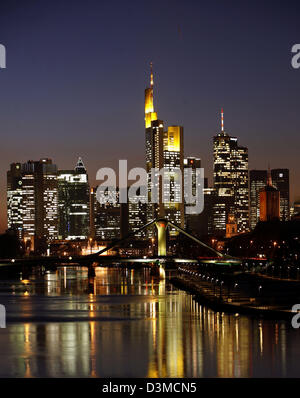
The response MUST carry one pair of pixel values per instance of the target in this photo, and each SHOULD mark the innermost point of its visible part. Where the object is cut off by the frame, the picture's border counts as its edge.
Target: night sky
(77, 70)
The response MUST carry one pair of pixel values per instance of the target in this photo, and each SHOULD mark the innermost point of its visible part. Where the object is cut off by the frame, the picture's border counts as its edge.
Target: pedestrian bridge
(162, 225)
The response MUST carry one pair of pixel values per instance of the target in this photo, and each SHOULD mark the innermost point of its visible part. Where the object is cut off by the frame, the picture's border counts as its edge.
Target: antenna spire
(151, 75)
(269, 180)
(222, 120)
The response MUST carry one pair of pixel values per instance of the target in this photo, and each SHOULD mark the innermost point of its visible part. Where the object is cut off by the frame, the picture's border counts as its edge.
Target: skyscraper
(29, 203)
(191, 220)
(137, 215)
(107, 217)
(258, 180)
(32, 200)
(46, 194)
(173, 162)
(269, 201)
(73, 202)
(154, 129)
(14, 199)
(231, 179)
(164, 149)
(280, 180)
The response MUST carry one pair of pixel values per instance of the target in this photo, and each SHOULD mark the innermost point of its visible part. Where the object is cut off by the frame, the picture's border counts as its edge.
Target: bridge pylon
(161, 226)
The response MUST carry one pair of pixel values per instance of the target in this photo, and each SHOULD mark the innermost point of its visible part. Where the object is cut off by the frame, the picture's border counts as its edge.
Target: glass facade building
(32, 199)
(231, 180)
(164, 149)
(73, 202)
(258, 180)
(281, 181)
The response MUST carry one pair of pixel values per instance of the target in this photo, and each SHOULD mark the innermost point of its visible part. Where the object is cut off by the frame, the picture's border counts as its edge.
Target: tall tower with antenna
(230, 181)
(164, 149)
(150, 115)
(154, 148)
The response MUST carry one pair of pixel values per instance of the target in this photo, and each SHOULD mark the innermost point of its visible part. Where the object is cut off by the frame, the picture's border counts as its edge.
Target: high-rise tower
(150, 115)
(231, 179)
(154, 152)
(32, 200)
(280, 179)
(164, 149)
(73, 202)
(172, 161)
(269, 201)
(257, 183)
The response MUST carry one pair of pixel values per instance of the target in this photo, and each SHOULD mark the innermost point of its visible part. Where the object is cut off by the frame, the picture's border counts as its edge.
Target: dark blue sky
(76, 73)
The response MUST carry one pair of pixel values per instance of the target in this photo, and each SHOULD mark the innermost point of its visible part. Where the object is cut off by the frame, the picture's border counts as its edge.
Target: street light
(152, 242)
(221, 288)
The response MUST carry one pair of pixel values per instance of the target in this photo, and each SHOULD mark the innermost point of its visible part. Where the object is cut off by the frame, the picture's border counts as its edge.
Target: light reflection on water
(130, 323)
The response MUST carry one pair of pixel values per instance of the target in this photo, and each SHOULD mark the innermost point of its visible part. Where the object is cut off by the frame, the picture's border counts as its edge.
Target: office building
(73, 202)
(164, 149)
(269, 202)
(107, 217)
(15, 199)
(258, 180)
(32, 200)
(280, 180)
(231, 180)
(173, 165)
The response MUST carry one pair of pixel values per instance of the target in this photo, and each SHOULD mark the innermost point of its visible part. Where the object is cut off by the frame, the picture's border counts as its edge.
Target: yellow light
(173, 139)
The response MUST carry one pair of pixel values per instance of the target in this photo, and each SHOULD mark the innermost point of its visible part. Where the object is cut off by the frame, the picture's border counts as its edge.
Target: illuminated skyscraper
(173, 160)
(46, 195)
(14, 198)
(154, 151)
(258, 180)
(73, 202)
(164, 149)
(191, 220)
(269, 202)
(280, 180)
(137, 216)
(154, 159)
(28, 202)
(231, 179)
(107, 218)
(32, 199)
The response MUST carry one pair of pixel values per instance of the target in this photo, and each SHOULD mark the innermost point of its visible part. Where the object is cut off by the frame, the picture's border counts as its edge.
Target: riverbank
(205, 293)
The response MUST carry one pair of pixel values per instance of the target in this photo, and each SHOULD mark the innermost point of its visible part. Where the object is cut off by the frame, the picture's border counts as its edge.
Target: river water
(131, 323)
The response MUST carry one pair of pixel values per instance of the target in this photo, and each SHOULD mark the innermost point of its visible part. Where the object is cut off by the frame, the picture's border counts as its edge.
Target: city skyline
(68, 207)
(149, 195)
(37, 111)
(44, 202)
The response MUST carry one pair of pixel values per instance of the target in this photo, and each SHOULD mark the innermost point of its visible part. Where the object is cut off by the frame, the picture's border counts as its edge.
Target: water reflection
(130, 323)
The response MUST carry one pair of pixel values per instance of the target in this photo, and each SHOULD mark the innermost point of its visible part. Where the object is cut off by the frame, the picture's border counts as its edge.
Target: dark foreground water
(129, 323)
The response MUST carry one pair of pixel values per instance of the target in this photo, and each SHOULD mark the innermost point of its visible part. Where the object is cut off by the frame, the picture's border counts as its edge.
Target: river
(131, 323)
